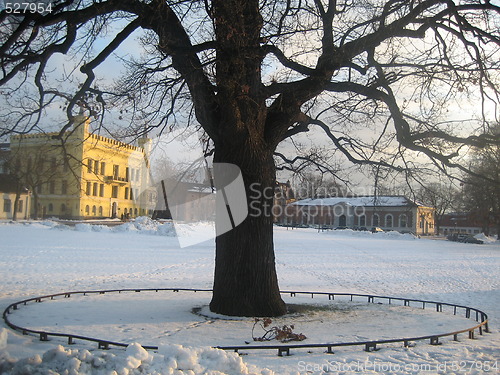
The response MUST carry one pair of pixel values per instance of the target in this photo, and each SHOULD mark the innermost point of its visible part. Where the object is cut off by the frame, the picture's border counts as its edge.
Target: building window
(131, 193)
(65, 165)
(342, 221)
(94, 210)
(116, 171)
(20, 206)
(64, 187)
(7, 205)
(103, 168)
(89, 188)
(101, 190)
(52, 187)
(100, 210)
(39, 189)
(51, 207)
(63, 207)
(96, 167)
(135, 211)
(95, 189)
(375, 220)
(126, 193)
(403, 221)
(127, 174)
(53, 165)
(388, 221)
(362, 221)
(89, 166)
(114, 192)
(87, 210)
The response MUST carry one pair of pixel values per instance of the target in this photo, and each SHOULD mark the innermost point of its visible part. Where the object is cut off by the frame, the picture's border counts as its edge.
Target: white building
(396, 213)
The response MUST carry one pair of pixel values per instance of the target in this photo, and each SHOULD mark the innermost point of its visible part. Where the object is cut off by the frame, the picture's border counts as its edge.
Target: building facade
(14, 200)
(395, 213)
(465, 223)
(87, 176)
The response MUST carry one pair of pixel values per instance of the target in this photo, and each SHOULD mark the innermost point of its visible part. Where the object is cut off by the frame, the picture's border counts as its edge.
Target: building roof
(364, 201)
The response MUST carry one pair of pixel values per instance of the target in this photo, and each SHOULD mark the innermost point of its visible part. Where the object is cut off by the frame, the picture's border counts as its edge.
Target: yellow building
(86, 176)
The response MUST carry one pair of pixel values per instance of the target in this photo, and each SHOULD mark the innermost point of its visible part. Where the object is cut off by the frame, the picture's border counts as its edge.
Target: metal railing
(283, 349)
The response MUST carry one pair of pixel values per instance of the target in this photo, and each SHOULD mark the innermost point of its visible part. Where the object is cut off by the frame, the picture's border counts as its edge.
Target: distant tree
(443, 197)
(374, 78)
(314, 185)
(35, 169)
(481, 192)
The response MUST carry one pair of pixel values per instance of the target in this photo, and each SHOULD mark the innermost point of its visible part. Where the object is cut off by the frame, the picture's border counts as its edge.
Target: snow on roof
(370, 201)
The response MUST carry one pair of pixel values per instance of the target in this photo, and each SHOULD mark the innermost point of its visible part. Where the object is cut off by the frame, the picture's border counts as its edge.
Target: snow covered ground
(44, 258)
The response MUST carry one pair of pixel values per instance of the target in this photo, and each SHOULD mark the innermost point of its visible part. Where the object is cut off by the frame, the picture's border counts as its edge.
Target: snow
(39, 258)
(485, 238)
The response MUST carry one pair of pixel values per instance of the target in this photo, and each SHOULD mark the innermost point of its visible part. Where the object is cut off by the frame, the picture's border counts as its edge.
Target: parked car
(466, 238)
(472, 239)
(376, 229)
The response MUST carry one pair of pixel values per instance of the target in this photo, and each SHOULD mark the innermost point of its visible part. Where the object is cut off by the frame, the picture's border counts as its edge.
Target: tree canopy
(388, 83)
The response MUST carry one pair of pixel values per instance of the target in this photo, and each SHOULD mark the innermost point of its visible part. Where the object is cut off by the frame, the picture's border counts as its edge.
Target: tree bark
(16, 204)
(245, 282)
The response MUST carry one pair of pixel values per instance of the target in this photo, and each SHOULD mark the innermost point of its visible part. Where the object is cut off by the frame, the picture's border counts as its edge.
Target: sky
(181, 150)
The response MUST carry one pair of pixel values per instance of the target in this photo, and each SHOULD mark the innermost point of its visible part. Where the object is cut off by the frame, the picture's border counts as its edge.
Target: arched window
(87, 210)
(94, 210)
(362, 221)
(342, 221)
(388, 221)
(63, 207)
(100, 210)
(403, 221)
(375, 220)
(51, 207)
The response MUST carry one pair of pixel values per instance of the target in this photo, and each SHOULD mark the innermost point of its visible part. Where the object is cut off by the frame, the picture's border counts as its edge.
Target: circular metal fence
(283, 349)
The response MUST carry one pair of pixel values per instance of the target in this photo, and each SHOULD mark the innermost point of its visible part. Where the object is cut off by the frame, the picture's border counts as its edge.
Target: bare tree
(36, 169)
(314, 185)
(443, 197)
(374, 78)
(481, 194)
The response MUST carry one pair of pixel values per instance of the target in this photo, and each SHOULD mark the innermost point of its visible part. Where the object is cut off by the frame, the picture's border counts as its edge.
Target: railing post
(283, 350)
(435, 340)
(370, 347)
(103, 345)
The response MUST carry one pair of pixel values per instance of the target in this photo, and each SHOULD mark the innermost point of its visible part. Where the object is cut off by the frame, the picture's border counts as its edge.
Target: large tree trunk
(245, 282)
